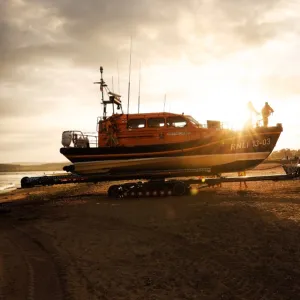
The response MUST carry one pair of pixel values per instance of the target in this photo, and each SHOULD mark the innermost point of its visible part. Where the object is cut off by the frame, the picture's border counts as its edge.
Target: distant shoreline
(30, 168)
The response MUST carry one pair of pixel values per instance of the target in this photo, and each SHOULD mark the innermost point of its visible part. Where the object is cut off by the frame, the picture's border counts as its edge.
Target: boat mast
(139, 98)
(129, 77)
(165, 102)
(102, 85)
(114, 99)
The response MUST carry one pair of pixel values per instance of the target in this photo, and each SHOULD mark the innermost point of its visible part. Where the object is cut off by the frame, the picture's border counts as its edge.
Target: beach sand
(73, 242)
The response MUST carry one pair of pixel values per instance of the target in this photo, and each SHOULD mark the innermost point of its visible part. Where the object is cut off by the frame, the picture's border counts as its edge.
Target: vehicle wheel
(25, 182)
(114, 191)
(169, 192)
(179, 188)
(162, 193)
(154, 193)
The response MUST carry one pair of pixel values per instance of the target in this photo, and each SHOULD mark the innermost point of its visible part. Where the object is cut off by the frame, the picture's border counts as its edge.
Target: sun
(232, 112)
(237, 118)
(226, 101)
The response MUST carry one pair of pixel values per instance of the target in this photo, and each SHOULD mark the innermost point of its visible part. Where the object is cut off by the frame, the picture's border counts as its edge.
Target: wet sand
(72, 242)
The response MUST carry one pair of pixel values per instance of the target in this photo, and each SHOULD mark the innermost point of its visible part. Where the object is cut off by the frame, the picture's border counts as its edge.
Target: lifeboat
(160, 142)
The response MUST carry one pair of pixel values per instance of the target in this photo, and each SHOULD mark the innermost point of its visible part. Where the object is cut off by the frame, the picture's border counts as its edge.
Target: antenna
(129, 76)
(165, 102)
(102, 85)
(118, 77)
(139, 98)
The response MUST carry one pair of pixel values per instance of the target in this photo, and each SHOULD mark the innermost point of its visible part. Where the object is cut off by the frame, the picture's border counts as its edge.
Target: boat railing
(231, 126)
(218, 125)
(92, 138)
(78, 139)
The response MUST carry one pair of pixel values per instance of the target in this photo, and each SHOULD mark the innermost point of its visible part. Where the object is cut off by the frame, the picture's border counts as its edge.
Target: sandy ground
(72, 242)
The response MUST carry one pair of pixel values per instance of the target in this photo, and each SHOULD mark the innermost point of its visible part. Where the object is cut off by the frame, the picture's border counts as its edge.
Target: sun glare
(215, 91)
(232, 113)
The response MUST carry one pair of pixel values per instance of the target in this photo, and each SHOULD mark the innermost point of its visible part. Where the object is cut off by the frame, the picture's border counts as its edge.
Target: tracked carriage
(160, 148)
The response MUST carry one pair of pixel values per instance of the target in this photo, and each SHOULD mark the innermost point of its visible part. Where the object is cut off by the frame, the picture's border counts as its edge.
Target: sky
(208, 57)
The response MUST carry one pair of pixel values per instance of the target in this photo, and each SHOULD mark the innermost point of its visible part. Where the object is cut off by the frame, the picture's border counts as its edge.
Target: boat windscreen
(195, 122)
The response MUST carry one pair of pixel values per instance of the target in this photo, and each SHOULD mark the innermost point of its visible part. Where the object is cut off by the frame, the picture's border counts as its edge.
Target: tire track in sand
(83, 288)
(15, 281)
(45, 279)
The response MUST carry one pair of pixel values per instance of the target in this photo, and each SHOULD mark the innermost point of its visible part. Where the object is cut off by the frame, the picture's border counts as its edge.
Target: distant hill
(35, 167)
(27, 163)
(286, 153)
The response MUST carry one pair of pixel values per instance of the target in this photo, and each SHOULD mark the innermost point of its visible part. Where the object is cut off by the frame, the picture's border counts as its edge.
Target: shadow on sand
(215, 245)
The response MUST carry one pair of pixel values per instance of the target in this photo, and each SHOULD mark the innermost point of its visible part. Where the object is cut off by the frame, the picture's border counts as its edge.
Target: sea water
(12, 180)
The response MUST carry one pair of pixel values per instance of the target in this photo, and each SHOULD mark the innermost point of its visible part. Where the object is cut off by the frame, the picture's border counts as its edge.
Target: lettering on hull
(247, 144)
(179, 133)
(241, 145)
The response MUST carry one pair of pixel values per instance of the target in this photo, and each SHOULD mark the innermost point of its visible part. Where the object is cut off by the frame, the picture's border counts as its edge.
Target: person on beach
(242, 174)
(266, 111)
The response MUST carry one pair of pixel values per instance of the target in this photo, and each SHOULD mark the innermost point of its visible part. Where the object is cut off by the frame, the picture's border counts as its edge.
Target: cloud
(281, 86)
(86, 32)
(21, 107)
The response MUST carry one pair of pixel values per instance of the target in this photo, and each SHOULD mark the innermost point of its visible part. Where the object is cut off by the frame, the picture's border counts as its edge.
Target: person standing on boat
(266, 111)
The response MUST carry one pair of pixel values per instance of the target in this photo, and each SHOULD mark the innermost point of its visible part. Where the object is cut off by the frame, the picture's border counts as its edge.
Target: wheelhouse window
(156, 122)
(193, 121)
(136, 123)
(178, 122)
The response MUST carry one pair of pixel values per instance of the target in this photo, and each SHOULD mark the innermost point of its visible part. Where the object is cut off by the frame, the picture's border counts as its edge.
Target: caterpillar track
(152, 188)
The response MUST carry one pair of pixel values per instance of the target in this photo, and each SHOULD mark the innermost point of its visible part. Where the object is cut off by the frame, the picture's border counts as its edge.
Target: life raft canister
(66, 138)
